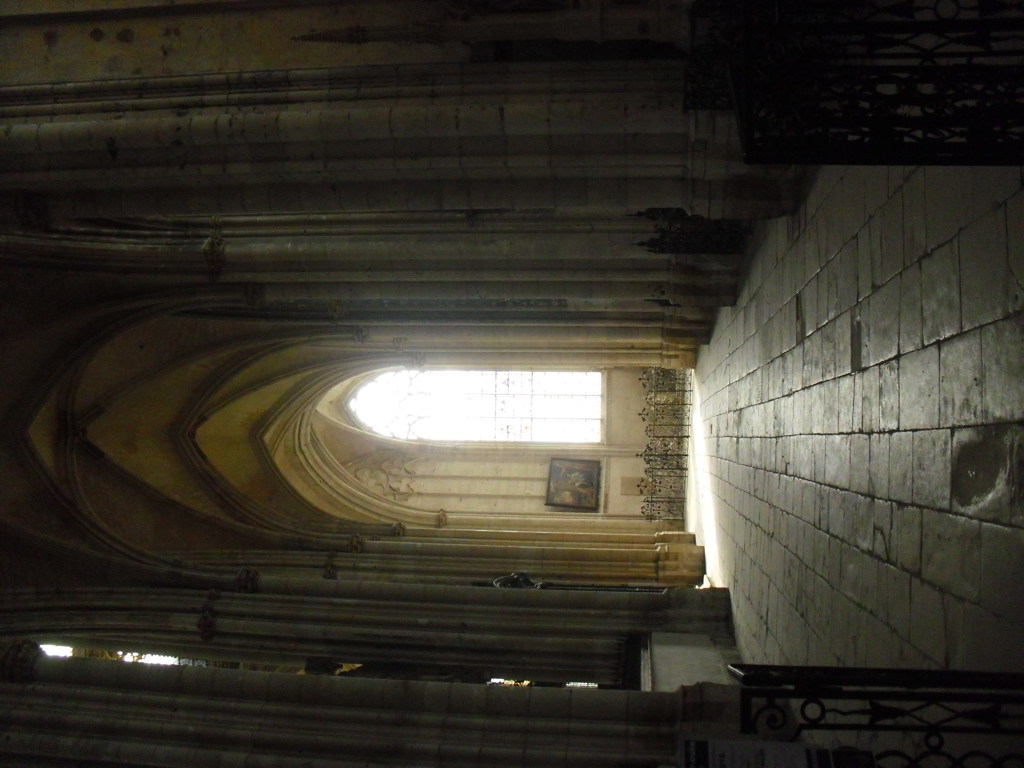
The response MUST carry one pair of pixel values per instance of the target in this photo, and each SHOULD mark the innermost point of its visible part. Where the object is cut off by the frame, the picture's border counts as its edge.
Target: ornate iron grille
(714, 30)
(792, 701)
(667, 416)
(879, 81)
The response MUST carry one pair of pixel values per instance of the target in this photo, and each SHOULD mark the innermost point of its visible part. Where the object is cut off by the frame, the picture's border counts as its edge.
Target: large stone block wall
(859, 453)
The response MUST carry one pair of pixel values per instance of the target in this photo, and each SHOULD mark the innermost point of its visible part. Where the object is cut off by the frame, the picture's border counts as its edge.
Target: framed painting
(574, 483)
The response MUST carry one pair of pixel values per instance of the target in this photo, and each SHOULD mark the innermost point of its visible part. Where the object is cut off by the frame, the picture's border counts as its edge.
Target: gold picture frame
(574, 484)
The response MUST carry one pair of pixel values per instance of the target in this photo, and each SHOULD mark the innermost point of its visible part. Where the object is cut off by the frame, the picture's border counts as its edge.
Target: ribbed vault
(172, 436)
(194, 259)
(170, 446)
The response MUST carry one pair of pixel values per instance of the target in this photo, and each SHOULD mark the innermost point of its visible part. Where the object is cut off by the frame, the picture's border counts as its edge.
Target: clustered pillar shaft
(145, 715)
(606, 135)
(543, 635)
(664, 559)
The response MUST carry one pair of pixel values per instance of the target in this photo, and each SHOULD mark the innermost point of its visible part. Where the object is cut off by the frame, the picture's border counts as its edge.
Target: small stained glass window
(505, 406)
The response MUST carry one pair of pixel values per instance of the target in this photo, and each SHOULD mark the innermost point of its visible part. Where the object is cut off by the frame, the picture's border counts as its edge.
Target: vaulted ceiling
(193, 257)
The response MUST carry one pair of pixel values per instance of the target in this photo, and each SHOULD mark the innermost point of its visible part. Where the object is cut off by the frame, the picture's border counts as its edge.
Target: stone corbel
(214, 249)
(248, 580)
(207, 623)
(335, 310)
(18, 663)
(330, 571)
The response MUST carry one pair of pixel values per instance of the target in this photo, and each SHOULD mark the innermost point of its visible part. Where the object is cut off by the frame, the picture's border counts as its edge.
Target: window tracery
(499, 406)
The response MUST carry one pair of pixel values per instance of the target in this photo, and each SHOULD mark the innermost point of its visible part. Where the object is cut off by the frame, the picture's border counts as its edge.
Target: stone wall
(859, 453)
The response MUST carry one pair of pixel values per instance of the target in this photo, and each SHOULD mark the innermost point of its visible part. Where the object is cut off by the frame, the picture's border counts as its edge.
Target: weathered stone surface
(918, 389)
(927, 620)
(932, 468)
(910, 309)
(907, 524)
(951, 548)
(915, 218)
(890, 394)
(1015, 243)
(909, 509)
(901, 466)
(879, 466)
(883, 332)
(961, 374)
(1001, 561)
(1002, 350)
(940, 293)
(986, 479)
(984, 270)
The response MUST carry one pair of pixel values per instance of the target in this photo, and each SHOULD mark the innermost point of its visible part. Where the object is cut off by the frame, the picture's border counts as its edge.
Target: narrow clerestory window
(503, 406)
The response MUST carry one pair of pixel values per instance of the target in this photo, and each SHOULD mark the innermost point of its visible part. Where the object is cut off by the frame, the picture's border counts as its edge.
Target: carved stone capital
(214, 249)
(248, 580)
(330, 568)
(207, 623)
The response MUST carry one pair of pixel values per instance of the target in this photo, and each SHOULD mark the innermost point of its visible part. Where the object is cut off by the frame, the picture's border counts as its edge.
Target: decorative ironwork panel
(667, 418)
(880, 81)
(795, 701)
(714, 29)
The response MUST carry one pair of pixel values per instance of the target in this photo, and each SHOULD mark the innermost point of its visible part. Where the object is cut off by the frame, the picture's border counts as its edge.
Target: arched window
(523, 406)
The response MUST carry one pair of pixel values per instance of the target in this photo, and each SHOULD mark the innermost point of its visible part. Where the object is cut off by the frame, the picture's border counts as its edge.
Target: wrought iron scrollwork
(714, 32)
(881, 81)
(794, 701)
(940, 757)
(666, 457)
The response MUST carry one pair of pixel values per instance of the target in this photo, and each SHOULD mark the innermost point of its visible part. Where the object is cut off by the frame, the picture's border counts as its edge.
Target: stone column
(87, 709)
(603, 136)
(478, 633)
(464, 562)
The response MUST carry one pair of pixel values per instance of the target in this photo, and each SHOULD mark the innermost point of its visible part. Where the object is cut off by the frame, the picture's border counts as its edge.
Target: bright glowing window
(57, 650)
(126, 656)
(522, 406)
